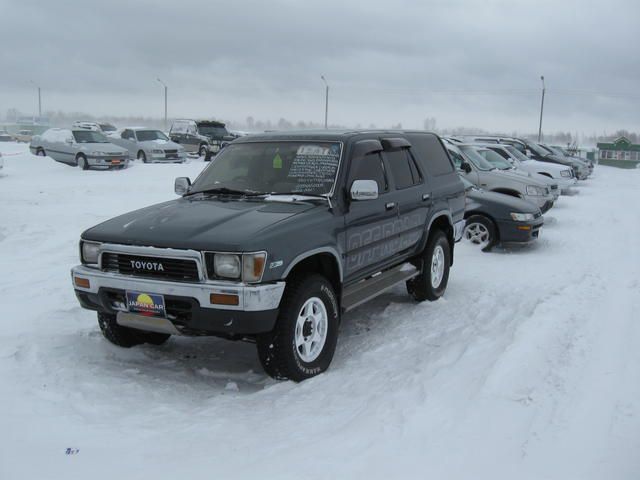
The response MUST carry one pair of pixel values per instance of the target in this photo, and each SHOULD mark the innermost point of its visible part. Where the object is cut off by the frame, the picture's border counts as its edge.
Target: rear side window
(369, 167)
(431, 154)
(403, 168)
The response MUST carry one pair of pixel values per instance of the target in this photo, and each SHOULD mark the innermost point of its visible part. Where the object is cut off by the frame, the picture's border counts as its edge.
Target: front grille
(171, 152)
(153, 267)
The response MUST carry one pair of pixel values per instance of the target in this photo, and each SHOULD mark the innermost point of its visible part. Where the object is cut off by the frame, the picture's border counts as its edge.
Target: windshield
(514, 152)
(537, 149)
(211, 131)
(557, 151)
(477, 159)
(146, 135)
(273, 167)
(89, 136)
(495, 159)
(107, 127)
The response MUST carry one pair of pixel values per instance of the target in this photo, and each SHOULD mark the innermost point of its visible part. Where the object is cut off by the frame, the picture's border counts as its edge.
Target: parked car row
(510, 183)
(101, 145)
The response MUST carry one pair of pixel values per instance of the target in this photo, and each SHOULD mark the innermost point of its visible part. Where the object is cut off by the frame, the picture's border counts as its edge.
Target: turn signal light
(523, 227)
(82, 282)
(224, 299)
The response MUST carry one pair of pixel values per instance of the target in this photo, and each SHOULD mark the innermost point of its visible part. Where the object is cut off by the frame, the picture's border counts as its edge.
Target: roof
(319, 135)
(620, 143)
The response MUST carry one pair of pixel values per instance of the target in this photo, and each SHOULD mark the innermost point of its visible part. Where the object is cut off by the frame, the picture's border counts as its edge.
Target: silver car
(84, 148)
(149, 145)
(482, 174)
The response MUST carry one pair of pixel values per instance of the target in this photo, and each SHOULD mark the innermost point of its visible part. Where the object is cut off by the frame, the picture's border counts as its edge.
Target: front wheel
(480, 231)
(432, 281)
(127, 337)
(41, 153)
(203, 151)
(82, 162)
(304, 339)
(142, 156)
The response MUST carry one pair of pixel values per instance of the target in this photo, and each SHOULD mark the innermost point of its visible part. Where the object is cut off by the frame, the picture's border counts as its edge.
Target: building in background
(619, 153)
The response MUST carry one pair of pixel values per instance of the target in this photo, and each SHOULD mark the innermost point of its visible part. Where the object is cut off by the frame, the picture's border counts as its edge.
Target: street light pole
(541, 109)
(39, 104)
(326, 100)
(165, 102)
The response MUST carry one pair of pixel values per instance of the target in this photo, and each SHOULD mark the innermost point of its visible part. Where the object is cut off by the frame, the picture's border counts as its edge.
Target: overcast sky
(466, 63)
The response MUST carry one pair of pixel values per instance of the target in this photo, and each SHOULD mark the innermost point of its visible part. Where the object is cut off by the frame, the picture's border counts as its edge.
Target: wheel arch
(508, 191)
(325, 261)
(471, 213)
(441, 221)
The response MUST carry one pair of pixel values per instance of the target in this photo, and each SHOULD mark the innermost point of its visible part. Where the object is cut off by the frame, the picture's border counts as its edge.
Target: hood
(104, 148)
(157, 143)
(553, 167)
(498, 205)
(514, 175)
(199, 223)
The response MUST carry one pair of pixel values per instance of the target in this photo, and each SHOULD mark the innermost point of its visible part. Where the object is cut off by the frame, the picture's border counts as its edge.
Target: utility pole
(165, 102)
(39, 104)
(326, 100)
(541, 110)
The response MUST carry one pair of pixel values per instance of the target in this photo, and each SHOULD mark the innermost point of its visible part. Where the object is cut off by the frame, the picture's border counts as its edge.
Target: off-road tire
(420, 286)
(82, 162)
(277, 350)
(127, 337)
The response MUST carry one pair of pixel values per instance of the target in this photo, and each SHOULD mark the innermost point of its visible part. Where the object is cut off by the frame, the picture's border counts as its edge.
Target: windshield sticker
(277, 161)
(314, 167)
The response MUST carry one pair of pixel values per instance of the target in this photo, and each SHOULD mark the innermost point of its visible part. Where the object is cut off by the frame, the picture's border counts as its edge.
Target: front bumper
(188, 305)
(104, 161)
(519, 233)
(167, 158)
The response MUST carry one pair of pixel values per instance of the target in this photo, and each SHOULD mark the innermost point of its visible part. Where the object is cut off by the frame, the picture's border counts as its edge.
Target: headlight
(253, 266)
(522, 217)
(95, 153)
(535, 191)
(157, 152)
(226, 265)
(565, 173)
(89, 252)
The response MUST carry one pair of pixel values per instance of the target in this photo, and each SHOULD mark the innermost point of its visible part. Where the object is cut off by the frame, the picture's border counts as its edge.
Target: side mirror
(364, 190)
(182, 185)
(466, 167)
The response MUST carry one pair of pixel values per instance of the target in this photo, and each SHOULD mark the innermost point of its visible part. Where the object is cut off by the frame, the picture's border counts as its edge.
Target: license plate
(147, 304)
(115, 162)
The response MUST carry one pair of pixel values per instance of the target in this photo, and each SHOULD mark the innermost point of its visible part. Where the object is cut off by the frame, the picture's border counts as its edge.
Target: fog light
(224, 299)
(82, 282)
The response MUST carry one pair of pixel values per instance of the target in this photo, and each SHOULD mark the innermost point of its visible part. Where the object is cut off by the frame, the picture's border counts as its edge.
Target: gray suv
(475, 168)
(204, 137)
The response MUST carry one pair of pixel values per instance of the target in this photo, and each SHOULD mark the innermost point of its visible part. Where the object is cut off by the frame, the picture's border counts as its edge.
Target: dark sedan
(495, 218)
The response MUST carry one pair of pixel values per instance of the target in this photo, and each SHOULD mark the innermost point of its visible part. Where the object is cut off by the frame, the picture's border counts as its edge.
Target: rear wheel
(480, 230)
(432, 281)
(127, 337)
(304, 339)
(142, 156)
(82, 162)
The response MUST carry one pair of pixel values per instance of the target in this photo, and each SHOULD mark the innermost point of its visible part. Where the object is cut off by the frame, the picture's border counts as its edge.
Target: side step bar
(373, 286)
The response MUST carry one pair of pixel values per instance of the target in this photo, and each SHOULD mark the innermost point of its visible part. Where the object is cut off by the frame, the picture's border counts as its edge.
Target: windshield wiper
(228, 191)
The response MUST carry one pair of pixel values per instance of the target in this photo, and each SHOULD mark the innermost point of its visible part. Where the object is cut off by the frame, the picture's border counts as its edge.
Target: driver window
(369, 167)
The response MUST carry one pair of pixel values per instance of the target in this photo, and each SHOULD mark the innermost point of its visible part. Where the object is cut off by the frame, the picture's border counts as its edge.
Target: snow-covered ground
(528, 368)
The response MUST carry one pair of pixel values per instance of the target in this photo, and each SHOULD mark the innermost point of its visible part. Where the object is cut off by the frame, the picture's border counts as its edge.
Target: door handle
(426, 197)
(390, 205)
